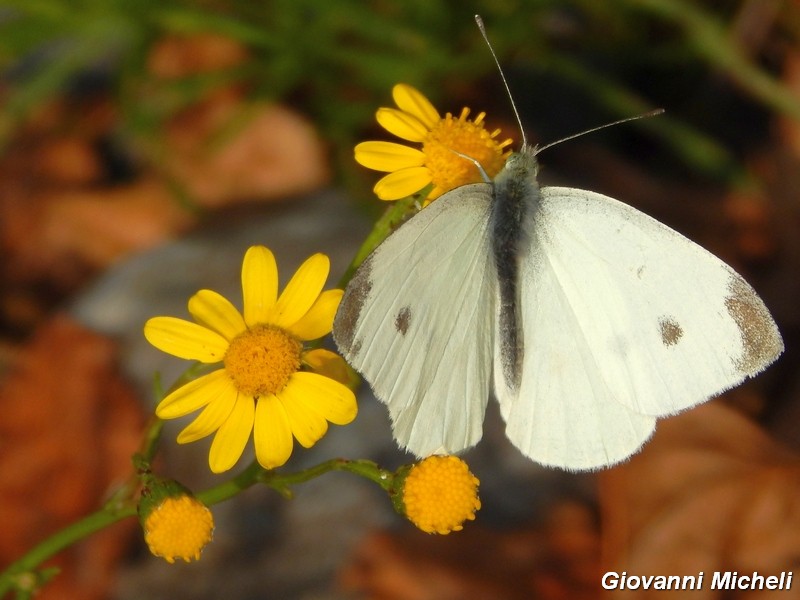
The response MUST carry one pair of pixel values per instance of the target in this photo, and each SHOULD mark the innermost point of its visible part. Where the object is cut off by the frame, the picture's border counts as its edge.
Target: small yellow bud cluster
(439, 493)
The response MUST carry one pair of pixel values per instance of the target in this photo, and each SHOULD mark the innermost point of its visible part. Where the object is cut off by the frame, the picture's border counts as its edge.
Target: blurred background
(145, 145)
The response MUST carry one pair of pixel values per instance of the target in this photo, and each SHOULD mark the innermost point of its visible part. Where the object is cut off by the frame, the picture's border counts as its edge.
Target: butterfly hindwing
(564, 414)
(417, 321)
(623, 317)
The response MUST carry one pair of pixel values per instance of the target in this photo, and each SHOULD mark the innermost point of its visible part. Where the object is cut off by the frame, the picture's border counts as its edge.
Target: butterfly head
(522, 165)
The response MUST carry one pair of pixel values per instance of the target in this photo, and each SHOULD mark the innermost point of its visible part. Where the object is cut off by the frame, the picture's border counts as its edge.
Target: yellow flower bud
(439, 493)
(179, 527)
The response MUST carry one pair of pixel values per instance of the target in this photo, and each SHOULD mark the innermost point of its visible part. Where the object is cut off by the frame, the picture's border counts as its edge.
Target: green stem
(121, 508)
(24, 575)
(363, 468)
(108, 515)
(152, 437)
(229, 489)
(390, 220)
(281, 482)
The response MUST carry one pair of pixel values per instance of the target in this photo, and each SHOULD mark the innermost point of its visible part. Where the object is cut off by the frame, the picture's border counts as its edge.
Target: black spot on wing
(349, 312)
(671, 331)
(403, 320)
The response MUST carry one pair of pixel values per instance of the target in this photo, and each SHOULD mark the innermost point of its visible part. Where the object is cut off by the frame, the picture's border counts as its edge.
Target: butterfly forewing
(417, 322)
(663, 323)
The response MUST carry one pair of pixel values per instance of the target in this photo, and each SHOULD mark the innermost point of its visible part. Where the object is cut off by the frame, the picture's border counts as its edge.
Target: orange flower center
(469, 138)
(261, 359)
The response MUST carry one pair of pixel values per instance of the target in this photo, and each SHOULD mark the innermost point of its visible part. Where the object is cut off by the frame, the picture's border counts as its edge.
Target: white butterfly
(586, 318)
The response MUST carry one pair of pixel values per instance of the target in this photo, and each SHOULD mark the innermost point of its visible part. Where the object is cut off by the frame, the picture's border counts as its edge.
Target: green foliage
(336, 61)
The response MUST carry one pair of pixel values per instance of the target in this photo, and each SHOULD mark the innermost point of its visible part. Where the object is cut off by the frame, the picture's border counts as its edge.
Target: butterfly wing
(417, 321)
(623, 320)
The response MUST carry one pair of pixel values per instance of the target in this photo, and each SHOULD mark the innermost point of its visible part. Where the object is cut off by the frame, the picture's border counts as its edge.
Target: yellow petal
(215, 312)
(403, 183)
(209, 420)
(185, 339)
(301, 292)
(327, 363)
(307, 424)
(272, 434)
(388, 156)
(194, 395)
(327, 397)
(412, 101)
(318, 321)
(402, 124)
(259, 284)
(232, 436)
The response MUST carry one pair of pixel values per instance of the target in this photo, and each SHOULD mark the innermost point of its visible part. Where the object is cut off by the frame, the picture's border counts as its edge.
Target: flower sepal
(155, 490)
(397, 487)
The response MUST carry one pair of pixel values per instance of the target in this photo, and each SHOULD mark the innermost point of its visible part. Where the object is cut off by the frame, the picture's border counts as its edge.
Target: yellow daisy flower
(268, 383)
(411, 169)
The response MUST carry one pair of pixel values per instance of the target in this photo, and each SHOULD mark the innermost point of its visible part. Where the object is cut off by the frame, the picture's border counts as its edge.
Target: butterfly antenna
(479, 21)
(652, 113)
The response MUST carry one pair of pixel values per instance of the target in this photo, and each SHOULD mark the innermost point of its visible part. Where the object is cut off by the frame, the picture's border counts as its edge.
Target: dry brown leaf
(178, 56)
(61, 222)
(61, 235)
(710, 492)
(224, 150)
(100, 227)
(752, 218)
(70, 424)
(68, 161)
(558, 560)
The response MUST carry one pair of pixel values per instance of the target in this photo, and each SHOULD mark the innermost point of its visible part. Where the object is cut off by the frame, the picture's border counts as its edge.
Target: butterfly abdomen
(514, 186)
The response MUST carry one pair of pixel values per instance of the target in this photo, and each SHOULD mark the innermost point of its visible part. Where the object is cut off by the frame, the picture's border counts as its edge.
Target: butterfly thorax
(516, 194)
